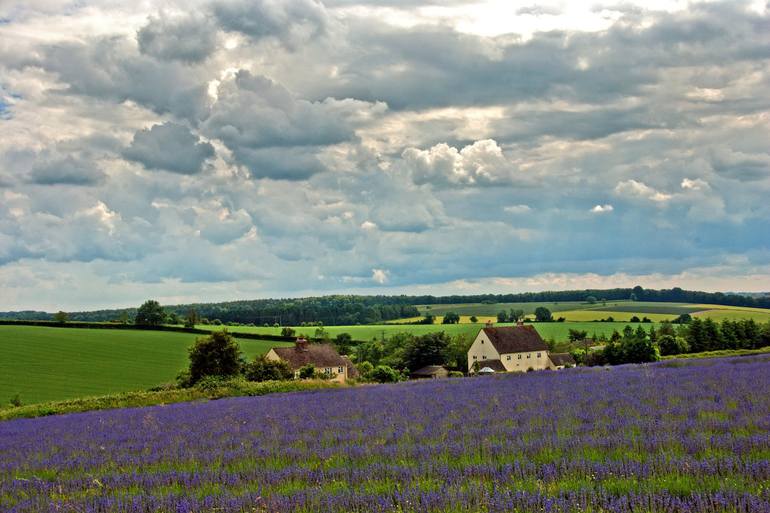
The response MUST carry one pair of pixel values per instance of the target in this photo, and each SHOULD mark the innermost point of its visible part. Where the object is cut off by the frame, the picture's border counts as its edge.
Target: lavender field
(668, 437)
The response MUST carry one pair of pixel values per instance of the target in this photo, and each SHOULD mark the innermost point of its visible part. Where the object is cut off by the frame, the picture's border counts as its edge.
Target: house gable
(482, 349)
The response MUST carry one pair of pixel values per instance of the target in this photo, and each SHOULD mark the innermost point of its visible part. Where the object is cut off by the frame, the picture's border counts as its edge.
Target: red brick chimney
(300, 344)
(489, 324)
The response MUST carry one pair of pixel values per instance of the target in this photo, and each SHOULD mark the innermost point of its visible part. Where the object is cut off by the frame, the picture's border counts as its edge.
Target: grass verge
(719, 354)
(234, 388)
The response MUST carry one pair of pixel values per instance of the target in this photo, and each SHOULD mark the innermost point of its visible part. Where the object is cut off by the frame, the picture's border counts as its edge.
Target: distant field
(555, 330)
(673, 309)
(761, 316)
(618, 310)
(618, 315)
(478, 309)
(47, 364)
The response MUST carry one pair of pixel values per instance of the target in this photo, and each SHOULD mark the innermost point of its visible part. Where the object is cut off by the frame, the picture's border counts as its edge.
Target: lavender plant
(688, 437)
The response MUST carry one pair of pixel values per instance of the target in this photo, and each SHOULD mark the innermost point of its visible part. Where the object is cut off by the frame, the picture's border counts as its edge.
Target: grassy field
(618, 310)
(491, 309)
(47, 364)
(555, 330)
(596, 315)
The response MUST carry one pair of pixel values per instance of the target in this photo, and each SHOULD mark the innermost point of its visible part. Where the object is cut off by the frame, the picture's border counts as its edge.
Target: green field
(555, 330)
(47, 364)
(492, 309)
(618, 310)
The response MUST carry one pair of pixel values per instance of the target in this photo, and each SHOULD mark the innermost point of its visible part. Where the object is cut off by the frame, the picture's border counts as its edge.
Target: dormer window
(508, 357)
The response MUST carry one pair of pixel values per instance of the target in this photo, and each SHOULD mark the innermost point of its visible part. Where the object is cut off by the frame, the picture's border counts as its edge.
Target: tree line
(336, 310)
(699, 335)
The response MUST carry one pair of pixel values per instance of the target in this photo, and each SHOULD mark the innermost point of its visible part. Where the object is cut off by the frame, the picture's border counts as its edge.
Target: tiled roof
(430, 370)
(495, 365)
(515, 339)
(560, 359)
(320, 355)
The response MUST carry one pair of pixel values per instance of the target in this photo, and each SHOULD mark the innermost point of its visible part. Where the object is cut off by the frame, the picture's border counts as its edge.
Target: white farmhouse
(509, 349)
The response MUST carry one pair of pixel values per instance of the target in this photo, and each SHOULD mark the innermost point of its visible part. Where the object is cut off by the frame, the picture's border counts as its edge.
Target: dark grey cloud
(275, 134)
(741, 166)
(188, 39)
(436, 66)
(111, 69)
(169, 147)
(66, 170)
(290, 21)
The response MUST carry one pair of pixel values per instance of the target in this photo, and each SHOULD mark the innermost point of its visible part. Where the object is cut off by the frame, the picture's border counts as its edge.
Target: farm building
(562, 360)
(322, 356)
(509, 349)
(430, 372)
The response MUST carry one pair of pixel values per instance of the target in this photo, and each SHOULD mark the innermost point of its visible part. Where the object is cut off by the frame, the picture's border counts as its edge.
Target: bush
(474, 319)
(16, 401)
(307, 372)
(384, 374)
(215, 355)
(669, 344)
(262, 369)
(456, 374)
(364, 368)
(287, 332)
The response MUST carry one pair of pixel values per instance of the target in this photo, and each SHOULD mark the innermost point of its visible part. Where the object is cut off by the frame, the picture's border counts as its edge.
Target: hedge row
(177, 329)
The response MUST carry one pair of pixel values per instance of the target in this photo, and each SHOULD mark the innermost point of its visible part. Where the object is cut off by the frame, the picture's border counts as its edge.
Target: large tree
(217, 354)
(543, 314)
(150, 314)
(429, 349)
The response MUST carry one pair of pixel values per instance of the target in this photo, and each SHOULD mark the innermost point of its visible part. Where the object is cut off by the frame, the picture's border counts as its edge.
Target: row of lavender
(662, 437)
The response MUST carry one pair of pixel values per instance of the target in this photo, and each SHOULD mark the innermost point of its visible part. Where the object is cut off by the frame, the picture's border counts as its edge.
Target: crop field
(618, 310)
(596, 315)
(491, 309)
(47, 364)
(677, 436)
(555, 330)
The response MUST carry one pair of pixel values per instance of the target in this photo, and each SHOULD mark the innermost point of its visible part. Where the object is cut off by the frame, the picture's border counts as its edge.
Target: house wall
(521, 362)
(481, 349)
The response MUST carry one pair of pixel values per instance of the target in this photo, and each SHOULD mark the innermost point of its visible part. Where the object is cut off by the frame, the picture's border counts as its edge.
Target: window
(538, 355)
(340, 370)
(484, 357)
(482, 341)
(328, 370)
(529, 356)
(475, 357)
(508, 358)
(519, 357)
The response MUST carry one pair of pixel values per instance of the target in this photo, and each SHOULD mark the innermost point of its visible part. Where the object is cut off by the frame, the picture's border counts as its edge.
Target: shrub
(364, 368)
(287, 332)
(474, 319)
(16, 401)
(307, 372)
(669, 344)
(456, 374)
(262, 369)
(215, 355)
(384, 374)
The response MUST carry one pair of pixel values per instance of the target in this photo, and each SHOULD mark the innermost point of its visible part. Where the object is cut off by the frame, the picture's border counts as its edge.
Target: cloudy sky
(225, 149)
